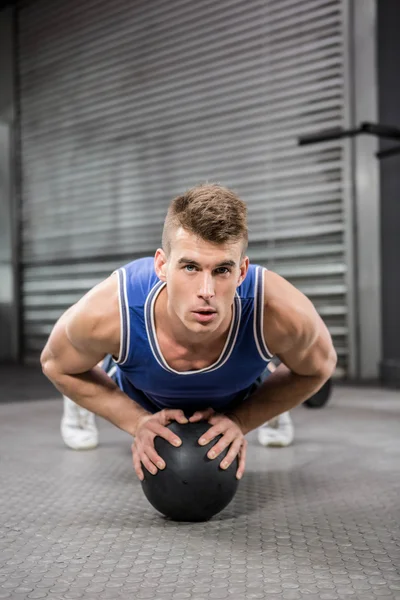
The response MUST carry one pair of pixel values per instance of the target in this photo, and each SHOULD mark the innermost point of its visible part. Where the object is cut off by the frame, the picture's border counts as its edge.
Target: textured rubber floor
(318, 520)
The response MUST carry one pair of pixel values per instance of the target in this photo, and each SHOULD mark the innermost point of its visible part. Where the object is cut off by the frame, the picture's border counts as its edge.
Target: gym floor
(319, 520)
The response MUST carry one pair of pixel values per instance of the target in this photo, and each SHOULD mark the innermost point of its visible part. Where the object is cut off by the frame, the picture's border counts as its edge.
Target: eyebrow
(224, 263)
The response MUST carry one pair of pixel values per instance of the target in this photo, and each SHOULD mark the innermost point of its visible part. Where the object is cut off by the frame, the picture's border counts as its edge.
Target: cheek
(179, 295)
(229, 291)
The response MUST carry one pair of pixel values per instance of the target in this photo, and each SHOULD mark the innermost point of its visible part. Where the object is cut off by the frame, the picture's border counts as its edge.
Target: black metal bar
(326, 135)
(388, 152)
(382, 131)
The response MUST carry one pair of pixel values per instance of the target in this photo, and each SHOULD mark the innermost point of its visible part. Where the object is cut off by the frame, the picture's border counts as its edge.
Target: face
(201, 280)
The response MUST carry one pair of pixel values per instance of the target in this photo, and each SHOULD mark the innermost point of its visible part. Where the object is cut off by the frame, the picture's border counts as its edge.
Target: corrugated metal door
(125, 104)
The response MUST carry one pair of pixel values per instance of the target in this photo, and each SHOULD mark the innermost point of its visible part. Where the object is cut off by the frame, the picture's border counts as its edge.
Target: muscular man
(189, 334)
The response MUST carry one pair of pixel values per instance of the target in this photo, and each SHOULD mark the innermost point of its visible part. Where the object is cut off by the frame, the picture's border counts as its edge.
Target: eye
(190, 268)
(222, 270)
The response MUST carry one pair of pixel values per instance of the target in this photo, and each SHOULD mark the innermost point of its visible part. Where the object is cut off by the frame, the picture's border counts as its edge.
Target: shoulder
(95, 318)
(139, 265)
(279, 292)
(288, 314)
(138, 274)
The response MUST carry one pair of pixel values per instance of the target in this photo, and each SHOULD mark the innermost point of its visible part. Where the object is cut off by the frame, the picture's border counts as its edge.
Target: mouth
(204, 316)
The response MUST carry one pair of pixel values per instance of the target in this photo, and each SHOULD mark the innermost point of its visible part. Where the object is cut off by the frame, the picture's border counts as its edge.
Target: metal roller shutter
(124, 105)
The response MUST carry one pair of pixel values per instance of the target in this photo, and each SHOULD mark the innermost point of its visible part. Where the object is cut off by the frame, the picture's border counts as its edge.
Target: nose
(206, 290)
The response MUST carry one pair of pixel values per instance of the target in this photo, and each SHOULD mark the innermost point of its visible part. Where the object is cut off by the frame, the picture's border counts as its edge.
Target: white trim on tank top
(236, 318)
(258, 333)
(122, 285)
(258, 315)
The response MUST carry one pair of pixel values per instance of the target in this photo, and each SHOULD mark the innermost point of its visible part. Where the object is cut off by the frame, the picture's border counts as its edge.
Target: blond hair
(210, 211)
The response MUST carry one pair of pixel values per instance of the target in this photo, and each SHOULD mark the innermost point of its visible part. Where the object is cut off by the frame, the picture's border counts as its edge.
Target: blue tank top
(144, 375)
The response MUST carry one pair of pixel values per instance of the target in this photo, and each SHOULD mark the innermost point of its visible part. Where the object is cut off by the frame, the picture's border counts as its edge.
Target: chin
(203, 327)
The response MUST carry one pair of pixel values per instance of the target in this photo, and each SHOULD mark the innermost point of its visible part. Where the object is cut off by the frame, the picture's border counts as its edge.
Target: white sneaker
(277, 432)
(78, 427)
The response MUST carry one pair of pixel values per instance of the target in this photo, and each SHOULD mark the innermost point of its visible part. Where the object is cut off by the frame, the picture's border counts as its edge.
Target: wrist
(138, 421)
(236, 419)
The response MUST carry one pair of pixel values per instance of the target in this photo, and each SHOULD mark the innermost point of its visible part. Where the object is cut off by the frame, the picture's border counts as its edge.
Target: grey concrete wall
(8, 228)
(6, 65)
(389, 113)
(365, 234)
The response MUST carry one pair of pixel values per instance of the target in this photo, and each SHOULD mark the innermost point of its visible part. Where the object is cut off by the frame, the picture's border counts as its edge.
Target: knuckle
(157, 429)
(216, 450)
(232, 453)
(147, 463)
(171, 438)
(149, 466)
(154, 457)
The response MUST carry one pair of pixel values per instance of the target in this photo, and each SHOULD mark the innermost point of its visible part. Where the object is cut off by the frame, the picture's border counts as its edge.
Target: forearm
(97, 392)
(280, 392)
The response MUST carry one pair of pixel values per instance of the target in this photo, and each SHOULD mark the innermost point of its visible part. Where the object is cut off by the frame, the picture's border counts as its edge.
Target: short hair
(210, 211)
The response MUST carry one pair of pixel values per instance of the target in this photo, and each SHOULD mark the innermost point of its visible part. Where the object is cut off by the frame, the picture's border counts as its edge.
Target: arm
(295, 333)
(81, 338)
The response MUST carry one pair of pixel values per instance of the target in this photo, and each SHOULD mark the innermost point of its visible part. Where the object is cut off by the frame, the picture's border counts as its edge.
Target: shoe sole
(277, 445)
(88, 447)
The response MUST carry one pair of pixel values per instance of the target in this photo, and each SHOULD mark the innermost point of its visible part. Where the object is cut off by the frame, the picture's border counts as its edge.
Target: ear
(160, 264)
(244, 267)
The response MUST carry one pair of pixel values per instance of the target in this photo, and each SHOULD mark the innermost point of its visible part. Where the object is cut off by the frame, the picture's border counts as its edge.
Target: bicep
(294, 331)
(311, 352)
(85, 333)
(67, 351)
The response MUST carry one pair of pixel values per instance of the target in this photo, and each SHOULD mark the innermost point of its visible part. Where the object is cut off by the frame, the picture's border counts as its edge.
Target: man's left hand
(232, 436)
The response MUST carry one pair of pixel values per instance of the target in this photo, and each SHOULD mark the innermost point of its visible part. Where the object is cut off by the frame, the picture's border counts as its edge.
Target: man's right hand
(147, 428)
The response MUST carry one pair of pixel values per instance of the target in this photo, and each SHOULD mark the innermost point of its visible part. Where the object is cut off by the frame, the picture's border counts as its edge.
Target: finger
(242, 460)
(172, 414)
(197, 416)
(222, 444)
(155, 458)
(148, 464)
(232, 454)
(166, 434)
(212, 433)
(136, 463)
(201, 415)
